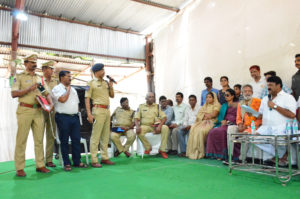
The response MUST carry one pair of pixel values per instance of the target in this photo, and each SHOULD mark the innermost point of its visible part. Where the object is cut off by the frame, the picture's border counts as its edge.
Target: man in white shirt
(190, 116)
(275, 110)
(66, 105)
(258, 84)
(179, 110)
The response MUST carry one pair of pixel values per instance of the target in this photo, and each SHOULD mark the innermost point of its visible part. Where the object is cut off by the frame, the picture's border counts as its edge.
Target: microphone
(269, 96)
(111, 79)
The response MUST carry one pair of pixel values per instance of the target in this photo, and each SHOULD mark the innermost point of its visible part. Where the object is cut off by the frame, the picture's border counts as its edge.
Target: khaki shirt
(122, 117)
(98, 91)
(23, 81)
(148, 115)
(50, 84)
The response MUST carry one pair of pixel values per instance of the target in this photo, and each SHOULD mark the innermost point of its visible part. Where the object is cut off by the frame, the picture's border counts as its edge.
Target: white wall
(218, 37)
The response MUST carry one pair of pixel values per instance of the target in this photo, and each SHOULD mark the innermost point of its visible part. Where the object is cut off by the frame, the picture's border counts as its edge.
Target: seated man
(190, 116)
(123, 120)
(244, 119)
(150, 118)
(275, 112)
(179, 110)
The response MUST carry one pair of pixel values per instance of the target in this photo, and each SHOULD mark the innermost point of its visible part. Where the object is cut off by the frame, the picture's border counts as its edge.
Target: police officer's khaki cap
(31, 58)
(49, 64)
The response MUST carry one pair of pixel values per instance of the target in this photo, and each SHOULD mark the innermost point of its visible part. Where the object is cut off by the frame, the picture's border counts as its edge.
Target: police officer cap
(31, 58)
(49, 64)
(97, 67)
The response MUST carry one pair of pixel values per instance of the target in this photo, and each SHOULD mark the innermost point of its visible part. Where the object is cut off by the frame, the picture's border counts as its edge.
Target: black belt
(71, 115)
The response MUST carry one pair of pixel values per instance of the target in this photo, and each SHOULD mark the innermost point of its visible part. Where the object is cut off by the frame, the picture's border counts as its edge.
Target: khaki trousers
(29, 118)
(100, 133)
(49, 135)
(148, 129)
(130, 135)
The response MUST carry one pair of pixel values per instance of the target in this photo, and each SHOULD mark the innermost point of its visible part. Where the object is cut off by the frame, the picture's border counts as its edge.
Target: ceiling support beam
(72, 51)
(158, 5)
(15, 34)
(77, 22)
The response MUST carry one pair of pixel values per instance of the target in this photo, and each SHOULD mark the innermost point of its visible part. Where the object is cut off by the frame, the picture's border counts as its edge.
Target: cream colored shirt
(149, 114)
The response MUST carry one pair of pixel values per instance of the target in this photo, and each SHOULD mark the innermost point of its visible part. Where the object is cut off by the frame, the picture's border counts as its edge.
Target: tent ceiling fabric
(125, 14)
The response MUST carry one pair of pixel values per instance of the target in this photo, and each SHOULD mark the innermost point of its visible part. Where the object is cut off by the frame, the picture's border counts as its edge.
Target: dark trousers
(69, 126)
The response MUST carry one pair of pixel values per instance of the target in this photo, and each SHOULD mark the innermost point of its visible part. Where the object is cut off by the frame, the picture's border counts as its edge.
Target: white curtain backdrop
(8, 125)
(217, 37)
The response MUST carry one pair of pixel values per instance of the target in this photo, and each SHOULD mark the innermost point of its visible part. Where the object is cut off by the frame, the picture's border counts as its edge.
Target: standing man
(99, 91)
(296, 78)
(123, 118)
(147, 116)
(179, 110)
(238, 91)
(208, 83)
(50, 124)
(29, 116)
(190, 116)
(258, 84)
(265, 92)
(67, 120)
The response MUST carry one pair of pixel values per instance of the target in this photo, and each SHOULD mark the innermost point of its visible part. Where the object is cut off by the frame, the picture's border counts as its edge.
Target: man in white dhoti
(275, 110)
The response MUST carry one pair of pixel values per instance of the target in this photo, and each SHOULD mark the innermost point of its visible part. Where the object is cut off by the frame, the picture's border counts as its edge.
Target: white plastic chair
(154, 140)
(82, 141)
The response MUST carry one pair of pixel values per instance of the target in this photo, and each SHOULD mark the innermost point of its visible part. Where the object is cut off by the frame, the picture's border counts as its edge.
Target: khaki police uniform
(123, 118)
(98, 91)
(29, 115)
(50, 123)
(148, 115)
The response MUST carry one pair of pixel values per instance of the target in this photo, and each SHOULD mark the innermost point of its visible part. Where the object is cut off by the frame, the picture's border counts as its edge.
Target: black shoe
(169, 152)
(174, 152)
(269, 163)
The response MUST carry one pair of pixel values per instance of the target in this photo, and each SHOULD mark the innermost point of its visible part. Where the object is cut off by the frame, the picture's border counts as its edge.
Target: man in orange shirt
(244, 119)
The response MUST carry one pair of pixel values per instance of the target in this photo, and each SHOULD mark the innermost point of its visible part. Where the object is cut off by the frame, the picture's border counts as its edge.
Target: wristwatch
(275, 106)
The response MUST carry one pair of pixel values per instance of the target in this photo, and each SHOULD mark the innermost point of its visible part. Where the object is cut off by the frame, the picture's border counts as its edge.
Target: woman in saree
(217, 137)
(206, 118)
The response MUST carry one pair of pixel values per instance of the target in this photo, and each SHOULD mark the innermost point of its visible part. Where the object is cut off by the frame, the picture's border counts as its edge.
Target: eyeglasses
(227, 95)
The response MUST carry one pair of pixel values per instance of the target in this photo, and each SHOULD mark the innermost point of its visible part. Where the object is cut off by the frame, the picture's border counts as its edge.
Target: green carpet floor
(151, 177)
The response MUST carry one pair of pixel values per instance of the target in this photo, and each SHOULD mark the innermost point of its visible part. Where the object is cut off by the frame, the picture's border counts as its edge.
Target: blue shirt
(169, 113)
(285, 88)
(204, 93)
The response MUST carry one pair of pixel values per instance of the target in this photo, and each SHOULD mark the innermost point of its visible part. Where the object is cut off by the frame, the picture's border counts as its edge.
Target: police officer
(50, 125)
(29, 115)
(150, 118)
(99, 91)
(123, 118)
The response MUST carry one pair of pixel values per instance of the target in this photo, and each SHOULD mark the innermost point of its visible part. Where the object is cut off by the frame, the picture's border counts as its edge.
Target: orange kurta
(247, 120)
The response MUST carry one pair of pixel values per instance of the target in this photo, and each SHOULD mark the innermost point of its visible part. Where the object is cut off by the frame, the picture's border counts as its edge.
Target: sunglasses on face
(227, 95)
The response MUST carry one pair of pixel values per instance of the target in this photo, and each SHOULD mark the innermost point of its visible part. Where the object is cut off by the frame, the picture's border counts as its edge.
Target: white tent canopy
(216, 38)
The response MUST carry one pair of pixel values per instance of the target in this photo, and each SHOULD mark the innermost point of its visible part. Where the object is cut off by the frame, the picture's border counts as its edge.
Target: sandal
(81, 165)
(68, 168)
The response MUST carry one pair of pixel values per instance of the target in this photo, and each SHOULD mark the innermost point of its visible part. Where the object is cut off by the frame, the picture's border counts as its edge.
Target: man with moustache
(274, 113)
(150, 118)
(99, 91)
(67, 120)
(29, 115)
(50, 125)
(208, 83)
(258, 84)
